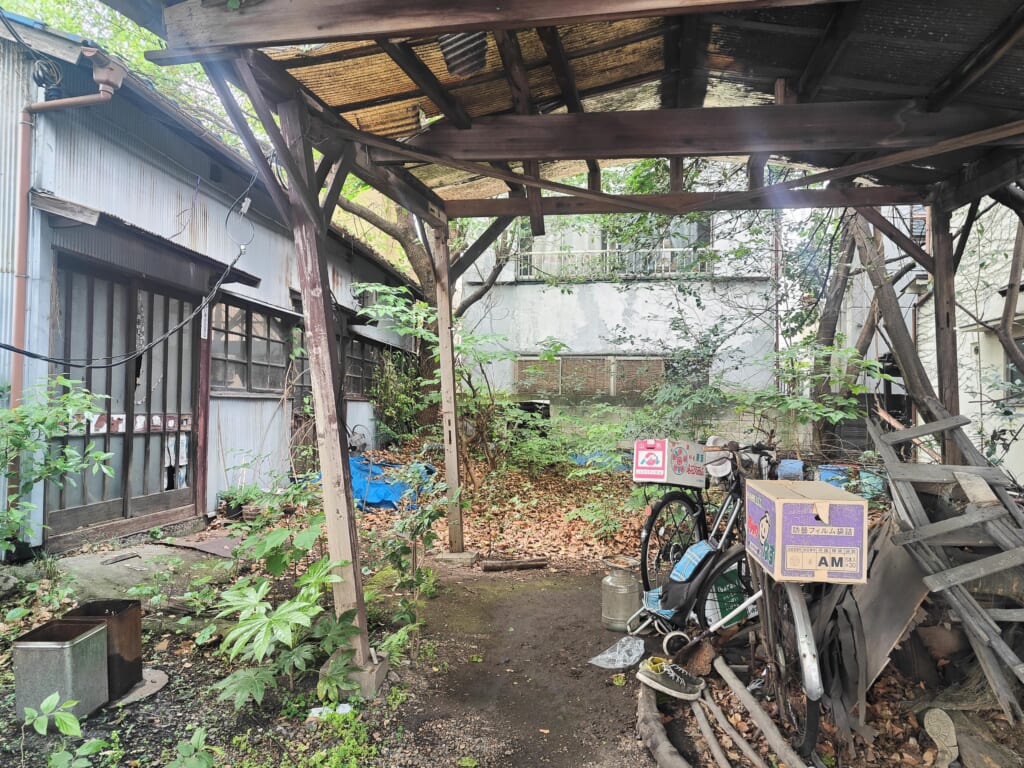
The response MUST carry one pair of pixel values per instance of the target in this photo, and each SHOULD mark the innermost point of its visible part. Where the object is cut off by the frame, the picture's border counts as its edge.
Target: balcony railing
(610, 264)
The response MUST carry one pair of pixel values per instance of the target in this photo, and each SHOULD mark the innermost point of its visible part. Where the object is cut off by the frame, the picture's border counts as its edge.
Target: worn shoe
(662, 675)
(939, 725)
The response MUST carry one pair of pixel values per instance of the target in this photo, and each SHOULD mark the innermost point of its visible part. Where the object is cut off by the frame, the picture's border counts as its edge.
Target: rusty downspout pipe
(107, 86)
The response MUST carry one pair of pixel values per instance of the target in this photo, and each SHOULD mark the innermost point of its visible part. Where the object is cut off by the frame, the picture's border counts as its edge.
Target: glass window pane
(275, 378)
(218, 315)
(277, 330)
(236, 347)
(218, 342)
(236, 319)
(259, 350)
(218, 375)
(259, 324)
(277, 353)
(235, 374)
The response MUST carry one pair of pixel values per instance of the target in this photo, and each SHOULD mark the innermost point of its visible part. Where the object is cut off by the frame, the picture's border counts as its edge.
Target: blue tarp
(611, 462)
(372, 488)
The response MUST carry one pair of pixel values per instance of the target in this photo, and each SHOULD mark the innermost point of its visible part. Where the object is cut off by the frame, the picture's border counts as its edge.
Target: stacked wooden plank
(991, 518)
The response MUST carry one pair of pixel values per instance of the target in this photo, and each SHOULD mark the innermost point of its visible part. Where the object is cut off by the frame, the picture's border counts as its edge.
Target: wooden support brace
(972, 516)
(446, 352)
(923, 430)
(975, 570)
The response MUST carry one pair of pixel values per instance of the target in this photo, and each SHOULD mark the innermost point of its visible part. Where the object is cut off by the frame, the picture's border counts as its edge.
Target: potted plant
(232, 500)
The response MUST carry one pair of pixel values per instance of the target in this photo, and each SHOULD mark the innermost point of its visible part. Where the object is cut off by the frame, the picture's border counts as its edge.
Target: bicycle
(795, 673)
(678, 523)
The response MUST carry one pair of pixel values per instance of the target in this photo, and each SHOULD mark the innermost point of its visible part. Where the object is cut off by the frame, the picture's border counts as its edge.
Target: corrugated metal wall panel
(248, 443)
(141, 172)
(14, 93)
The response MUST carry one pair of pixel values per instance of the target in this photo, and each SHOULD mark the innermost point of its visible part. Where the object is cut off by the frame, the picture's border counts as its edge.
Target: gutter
(108, 75)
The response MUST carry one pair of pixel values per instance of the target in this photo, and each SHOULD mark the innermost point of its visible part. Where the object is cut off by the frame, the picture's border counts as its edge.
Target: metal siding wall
(140, 171)
(250, 431)
(14, 94)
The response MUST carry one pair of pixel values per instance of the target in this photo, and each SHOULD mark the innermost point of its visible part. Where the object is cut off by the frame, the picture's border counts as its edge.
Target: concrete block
(458, 559)
(372, 676)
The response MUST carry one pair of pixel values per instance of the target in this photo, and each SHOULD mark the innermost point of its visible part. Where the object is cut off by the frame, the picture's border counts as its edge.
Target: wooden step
(1006, 614)
(923, 430)
(976, 570)
(943, 473)
(973, 515)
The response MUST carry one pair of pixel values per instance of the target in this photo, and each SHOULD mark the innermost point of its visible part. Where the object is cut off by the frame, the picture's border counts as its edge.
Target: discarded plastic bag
(625, 653)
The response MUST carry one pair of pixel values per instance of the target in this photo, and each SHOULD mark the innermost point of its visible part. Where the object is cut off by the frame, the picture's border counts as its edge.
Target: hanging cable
(112, 361)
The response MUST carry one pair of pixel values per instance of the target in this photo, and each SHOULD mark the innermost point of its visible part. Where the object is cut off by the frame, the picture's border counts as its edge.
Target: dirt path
(513, 686)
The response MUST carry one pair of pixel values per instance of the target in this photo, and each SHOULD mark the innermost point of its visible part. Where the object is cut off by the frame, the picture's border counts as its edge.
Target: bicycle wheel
(725, 587)
(672, 526)
(784, 603)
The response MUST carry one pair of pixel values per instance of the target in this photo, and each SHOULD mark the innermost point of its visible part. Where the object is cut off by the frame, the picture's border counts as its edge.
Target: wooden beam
(831, 197)
(296, 177)
(685, 83)
(994, 171)
(944, 299)
(844, 126)
(975, 570)
(908, 434)
(974, 66)
(900, 238)
(218, 78)
(318, 315)
(566, 80)
(405, 57)
(481, 244)
(328, 130)
(446, 362)
(829, 50)
(915, 378)
(196, 23)
(522, 101)
(965, 234)
(339, 173)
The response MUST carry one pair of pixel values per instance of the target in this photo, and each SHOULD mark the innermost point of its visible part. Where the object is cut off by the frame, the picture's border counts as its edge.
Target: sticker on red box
(673, 462)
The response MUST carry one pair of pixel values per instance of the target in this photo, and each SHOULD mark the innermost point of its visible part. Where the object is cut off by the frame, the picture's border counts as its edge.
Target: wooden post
(318, 313)
(446, 350)
(945, 323)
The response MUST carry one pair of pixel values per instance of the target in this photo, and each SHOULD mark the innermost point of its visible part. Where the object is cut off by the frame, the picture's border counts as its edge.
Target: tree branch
(488, 283)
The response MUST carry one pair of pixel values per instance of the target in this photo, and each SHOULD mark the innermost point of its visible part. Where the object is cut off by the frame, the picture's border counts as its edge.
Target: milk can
(620, 592)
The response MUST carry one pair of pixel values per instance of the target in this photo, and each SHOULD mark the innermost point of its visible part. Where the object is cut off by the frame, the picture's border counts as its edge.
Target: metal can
(620, 592)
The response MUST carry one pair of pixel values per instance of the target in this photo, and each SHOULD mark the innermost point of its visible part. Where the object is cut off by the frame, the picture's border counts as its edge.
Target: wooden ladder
(991, 518)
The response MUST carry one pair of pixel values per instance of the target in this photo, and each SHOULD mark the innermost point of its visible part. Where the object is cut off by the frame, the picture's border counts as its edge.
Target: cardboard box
(672, 462)
(807, 531)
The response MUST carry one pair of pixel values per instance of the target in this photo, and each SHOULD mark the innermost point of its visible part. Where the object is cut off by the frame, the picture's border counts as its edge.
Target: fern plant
(287, 640)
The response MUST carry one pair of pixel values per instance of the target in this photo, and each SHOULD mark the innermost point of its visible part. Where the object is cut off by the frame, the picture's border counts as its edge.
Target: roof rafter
(978, 62)
(828, 50)
(566, 80)
(200, 23)
(405, 57)
(875, 125)
(522, 100)
(568, 205)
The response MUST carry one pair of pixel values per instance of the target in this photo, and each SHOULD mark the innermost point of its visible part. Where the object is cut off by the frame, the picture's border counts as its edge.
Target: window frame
(253, 338)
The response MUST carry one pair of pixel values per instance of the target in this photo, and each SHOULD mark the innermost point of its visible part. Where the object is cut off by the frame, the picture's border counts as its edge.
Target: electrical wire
(114, 361)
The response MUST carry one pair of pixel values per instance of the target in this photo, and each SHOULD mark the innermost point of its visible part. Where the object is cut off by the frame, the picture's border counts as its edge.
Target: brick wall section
(538, 377)
(586, 376)
(634, 377)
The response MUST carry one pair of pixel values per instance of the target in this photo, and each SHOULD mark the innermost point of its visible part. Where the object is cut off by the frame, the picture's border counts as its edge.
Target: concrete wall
(637, 319)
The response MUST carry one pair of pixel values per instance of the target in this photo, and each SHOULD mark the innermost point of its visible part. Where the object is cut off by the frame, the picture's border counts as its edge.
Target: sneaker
(664, 676)
(939, 725)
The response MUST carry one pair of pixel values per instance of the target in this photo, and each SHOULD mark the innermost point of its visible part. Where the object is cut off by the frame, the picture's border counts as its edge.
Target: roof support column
(945, 323)
(318, 312)
(446, 352)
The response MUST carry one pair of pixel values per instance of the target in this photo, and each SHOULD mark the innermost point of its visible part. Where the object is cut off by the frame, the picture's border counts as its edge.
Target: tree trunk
(825, 438)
